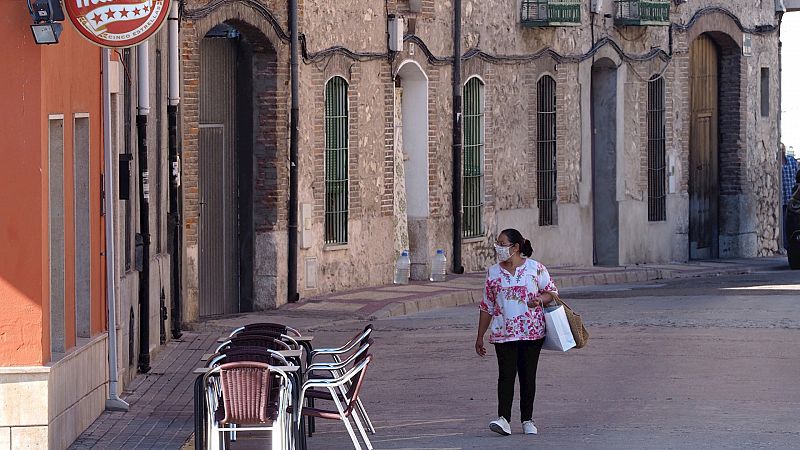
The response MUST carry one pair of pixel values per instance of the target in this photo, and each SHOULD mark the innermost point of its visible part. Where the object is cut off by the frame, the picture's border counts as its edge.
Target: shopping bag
(558, 336)
(579, 332)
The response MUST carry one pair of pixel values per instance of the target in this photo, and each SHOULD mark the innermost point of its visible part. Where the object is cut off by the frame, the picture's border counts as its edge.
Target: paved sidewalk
(397, 300)
(161, 413)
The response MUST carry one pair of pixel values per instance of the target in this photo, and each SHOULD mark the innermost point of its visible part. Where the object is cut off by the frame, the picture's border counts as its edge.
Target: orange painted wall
(22, 198)
(37, 81)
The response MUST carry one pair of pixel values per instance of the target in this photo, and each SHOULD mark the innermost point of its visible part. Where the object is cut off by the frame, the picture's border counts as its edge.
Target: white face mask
(503, 253)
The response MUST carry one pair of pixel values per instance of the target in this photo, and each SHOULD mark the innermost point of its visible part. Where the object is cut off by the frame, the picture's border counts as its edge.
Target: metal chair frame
(344, 411)
(346, 348)
(336, 354)
(338, 369)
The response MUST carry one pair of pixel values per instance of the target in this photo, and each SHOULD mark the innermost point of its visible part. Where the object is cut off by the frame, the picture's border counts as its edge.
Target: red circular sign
(117, 23)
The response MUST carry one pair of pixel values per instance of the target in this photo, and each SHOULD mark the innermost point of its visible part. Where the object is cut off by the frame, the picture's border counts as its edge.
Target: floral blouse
(506, 299)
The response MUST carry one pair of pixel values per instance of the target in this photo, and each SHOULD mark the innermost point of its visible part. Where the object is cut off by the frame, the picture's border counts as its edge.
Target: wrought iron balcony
(551, 13)
(642, 12)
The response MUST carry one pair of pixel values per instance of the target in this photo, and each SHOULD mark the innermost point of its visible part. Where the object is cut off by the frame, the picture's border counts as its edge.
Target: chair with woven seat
(249, 402)
(285, 329)
(283, 337)
(345, 402)
(290, 335)
(247, 353)
(237, 354)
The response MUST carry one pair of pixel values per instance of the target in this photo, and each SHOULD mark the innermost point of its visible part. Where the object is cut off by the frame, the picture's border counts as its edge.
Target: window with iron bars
(473, 158)
(656, 151)
(546, 150)
(336, 159)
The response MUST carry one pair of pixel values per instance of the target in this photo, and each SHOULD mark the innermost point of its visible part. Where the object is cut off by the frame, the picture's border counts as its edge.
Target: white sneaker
(500, 426)
(528, 427)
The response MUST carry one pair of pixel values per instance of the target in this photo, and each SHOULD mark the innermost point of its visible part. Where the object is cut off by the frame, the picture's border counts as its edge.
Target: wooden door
(703, 150)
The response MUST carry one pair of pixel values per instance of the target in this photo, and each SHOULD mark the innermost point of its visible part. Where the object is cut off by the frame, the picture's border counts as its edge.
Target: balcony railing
(551, 13)
(642, 12)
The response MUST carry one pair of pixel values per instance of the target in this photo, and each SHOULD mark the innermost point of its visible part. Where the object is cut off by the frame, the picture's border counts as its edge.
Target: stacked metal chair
(247, 391)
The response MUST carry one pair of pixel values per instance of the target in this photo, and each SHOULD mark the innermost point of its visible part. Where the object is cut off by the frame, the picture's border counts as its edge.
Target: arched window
(474, 140)
(337, 138)
(656, 151)
(546, 150)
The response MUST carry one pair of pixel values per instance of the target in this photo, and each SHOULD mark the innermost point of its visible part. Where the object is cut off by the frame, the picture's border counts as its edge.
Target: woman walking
(516, 289)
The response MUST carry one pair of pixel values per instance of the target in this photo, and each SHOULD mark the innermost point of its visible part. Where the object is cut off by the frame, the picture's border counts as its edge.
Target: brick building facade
(573, 177)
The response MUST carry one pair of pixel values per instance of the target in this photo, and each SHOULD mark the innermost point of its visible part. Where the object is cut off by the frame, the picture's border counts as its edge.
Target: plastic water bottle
(402, 269)
(439, 266)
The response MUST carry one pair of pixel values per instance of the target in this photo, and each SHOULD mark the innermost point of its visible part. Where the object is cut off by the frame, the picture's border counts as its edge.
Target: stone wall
(510, 59)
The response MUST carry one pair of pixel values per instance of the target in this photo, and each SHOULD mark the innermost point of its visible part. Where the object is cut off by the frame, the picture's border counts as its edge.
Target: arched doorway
(704, 149)
(605, 208)
(411, 166)
(236, 152)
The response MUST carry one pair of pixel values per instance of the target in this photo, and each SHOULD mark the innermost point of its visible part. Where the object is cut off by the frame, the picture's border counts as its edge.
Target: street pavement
(685, 362)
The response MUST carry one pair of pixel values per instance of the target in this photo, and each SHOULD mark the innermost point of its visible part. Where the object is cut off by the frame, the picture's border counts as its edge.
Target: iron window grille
(546, 150)
(642, 12)
(474, 140)
(336, 161)
(656, 151)
(544, 13)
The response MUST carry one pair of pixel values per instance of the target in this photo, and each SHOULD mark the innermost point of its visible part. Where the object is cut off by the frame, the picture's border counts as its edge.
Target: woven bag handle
(557, 299)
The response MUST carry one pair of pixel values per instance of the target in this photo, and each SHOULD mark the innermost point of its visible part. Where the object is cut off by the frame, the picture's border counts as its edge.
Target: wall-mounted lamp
(46, 14)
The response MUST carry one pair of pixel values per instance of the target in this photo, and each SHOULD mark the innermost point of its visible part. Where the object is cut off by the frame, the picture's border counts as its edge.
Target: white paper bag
(558, 336)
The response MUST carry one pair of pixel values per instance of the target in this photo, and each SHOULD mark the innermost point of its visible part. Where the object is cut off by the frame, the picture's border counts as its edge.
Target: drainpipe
(293, 296)
(174, 230)
(781, 229)
(113, 402)
(143, 64)
(457, 138)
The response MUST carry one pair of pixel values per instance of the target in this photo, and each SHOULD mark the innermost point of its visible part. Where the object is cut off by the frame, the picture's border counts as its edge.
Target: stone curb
(402, 308)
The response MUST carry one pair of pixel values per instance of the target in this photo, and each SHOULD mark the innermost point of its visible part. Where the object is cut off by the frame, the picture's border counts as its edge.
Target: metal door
(219, 184)
(703, 150)
(605, 208)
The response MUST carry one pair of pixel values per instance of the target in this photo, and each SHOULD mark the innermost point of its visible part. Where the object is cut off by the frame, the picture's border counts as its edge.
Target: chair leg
(362, 431)
(213, 438)
(360, 406)
(276, 434)
(287, 428)
(353, 437)
(311, 424)
(347, 425)
(363, 413)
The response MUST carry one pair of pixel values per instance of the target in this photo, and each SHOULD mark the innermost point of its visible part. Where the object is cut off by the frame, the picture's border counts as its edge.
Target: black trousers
(517, 357)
